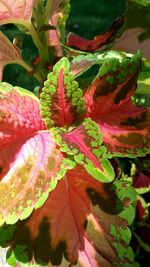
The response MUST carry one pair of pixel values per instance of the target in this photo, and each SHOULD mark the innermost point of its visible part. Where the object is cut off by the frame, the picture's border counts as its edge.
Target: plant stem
(29, 69)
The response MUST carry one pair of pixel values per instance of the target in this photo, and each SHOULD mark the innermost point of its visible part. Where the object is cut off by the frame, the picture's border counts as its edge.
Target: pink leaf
(77, 226)
(19, 114)
(30, 163)
(20, 9)
(8, 52)
(85, 144)
(130, 43)
(61, 99)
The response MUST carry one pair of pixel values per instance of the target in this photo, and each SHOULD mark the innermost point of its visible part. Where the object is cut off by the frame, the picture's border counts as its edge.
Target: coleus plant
(62, 201)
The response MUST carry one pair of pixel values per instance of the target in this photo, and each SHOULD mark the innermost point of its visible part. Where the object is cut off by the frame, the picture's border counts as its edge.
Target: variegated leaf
(126, 130)
(114, 85)
(136, 32)
(30, 163)
(85, 144)
(82, 223)
(61, 99)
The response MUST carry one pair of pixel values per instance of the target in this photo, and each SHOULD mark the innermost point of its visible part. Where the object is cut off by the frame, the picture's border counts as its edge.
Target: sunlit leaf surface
(77, 226)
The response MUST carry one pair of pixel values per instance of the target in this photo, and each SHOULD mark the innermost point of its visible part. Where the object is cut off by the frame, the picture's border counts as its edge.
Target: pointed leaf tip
(85, 144)
(61, 99)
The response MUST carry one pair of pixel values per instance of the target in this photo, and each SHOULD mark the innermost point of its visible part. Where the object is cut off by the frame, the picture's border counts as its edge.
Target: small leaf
(61, 99)
(141, 183)
(85, 144)
(79, 224)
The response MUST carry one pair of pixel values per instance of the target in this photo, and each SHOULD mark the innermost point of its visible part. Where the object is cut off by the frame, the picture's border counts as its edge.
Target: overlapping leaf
(83, 222)
(136, 33)
(11, 10)
(61, 99)
(30, 163)
(125, 127)
(85, 144)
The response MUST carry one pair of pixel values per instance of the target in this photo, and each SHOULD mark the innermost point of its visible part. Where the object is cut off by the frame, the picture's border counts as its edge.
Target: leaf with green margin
(141, 182)
(61, 99)
(77, 225)
(85, 144)
(114, 85)
(59, 12)
(136, 32)
(30, 163)
(143, 86)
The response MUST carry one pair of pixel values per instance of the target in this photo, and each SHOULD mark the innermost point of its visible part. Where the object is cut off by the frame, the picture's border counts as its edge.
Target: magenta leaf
(30, 163)
(85, 144)
(61, 99)
(76, 226)
(10, 10)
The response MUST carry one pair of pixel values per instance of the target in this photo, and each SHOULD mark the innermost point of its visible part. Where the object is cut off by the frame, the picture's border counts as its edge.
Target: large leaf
(97, 42)
(61, 99)
(11, 10)
(136, 32)
(82, 223)
(30, 163)
(8, 53)
(114, 85)
(85, 144)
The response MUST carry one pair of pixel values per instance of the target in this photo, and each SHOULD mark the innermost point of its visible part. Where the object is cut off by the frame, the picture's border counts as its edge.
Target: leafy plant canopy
(74, 154)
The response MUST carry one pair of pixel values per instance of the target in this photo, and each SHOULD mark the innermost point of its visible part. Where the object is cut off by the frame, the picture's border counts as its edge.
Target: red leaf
(76, 226)
(85, 143)
(126, 130)
(142, 182)
(113, 86)
(97, 42)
